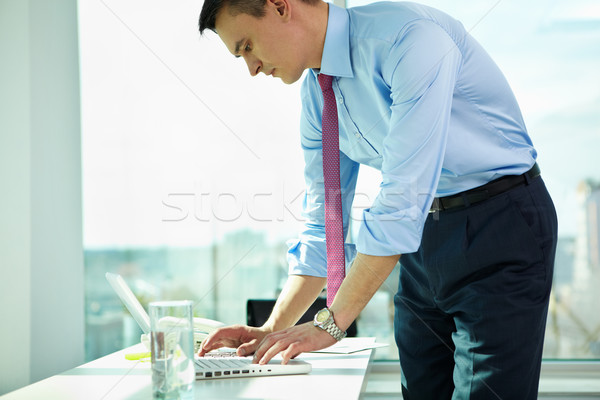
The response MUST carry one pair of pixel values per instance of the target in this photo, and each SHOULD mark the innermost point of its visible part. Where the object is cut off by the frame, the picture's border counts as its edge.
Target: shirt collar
(336, 51)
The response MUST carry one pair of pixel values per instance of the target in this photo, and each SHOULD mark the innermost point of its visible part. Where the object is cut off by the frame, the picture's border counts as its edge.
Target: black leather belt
(481, 193)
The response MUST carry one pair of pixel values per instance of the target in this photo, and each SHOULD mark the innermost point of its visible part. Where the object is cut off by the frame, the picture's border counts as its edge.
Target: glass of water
(172, 348)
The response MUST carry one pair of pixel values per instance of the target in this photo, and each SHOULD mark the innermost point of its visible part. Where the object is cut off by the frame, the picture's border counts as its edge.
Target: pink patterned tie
(334, 230)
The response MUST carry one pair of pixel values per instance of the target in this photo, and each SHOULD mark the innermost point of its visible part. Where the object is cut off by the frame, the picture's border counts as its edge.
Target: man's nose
(254, 65)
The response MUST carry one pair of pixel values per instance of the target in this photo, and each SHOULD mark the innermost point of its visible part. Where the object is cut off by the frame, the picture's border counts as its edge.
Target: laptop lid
(131, 302)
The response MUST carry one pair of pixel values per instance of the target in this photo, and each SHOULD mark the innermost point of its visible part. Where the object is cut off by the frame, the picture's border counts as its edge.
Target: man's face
(266, 43)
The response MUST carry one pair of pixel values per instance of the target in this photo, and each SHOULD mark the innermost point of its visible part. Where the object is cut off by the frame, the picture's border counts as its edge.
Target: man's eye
(247, 48)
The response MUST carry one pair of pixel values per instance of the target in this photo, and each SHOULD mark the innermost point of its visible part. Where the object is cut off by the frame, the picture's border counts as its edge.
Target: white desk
(113, 377)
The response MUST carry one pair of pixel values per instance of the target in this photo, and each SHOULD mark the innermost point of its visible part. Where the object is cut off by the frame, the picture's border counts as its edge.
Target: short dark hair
(212, 8)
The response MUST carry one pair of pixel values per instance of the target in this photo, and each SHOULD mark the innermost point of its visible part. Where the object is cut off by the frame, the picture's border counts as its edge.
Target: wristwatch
(324, 320)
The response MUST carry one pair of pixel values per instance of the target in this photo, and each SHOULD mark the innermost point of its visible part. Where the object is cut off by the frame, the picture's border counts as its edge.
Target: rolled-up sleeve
(421, 71)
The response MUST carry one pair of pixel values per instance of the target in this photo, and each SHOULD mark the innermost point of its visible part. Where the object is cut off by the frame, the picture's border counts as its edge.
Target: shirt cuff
(391, 233)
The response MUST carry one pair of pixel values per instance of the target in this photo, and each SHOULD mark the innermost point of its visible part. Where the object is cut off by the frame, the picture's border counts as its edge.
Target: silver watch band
(336, 332)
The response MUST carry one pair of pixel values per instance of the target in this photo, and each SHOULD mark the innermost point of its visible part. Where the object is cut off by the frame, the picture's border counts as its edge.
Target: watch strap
(335, 331)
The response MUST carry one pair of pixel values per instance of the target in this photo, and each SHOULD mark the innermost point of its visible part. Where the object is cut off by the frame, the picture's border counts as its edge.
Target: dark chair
(258, 311)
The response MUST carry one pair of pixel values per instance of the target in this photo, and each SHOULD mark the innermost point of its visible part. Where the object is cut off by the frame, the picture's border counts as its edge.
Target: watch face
(322, 316)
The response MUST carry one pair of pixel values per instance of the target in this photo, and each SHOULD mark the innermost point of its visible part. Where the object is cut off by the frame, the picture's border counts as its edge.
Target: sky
(181, 145)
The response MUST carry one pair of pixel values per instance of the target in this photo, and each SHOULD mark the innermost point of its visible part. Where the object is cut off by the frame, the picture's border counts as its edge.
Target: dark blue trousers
(472, 301)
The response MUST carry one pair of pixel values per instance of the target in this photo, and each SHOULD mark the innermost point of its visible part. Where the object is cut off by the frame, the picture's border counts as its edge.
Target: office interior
(43, 154)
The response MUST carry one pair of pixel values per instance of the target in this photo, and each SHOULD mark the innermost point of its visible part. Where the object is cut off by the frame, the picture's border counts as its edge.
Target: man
(461, 196)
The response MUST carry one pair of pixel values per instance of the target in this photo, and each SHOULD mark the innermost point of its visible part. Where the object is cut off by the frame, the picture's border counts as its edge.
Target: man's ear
(282, 7)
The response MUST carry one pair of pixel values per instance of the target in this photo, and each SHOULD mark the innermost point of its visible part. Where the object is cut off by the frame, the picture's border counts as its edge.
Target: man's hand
(245, 338)
(292, 341)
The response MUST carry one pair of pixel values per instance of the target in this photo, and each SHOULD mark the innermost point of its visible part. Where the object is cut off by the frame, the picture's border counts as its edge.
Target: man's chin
(289, 79)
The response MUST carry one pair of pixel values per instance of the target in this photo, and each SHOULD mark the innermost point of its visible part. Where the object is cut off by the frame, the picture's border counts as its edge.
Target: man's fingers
(211, 342)
(291, 342)
(271, 346)
(264, 345)
(228, 336)
(244, 338)
(208, 346)
(247, 348)
(291, 352)
(272, 352)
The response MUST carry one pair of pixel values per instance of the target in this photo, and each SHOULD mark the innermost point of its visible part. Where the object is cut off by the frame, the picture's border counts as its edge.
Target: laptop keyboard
(221, 363)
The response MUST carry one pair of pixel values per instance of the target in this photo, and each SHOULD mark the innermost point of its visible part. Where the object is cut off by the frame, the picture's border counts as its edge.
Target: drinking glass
(172, 349)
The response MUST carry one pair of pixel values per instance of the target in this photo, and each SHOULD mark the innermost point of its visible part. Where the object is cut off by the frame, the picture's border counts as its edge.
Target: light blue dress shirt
(418, 99)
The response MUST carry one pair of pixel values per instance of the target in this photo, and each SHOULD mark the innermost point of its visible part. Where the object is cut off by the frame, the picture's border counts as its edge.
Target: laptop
(216, 364)
(225, 364)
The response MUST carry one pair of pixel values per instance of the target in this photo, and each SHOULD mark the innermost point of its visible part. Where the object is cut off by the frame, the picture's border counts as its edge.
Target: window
(192, 186)
(190, 189)
(546, 51)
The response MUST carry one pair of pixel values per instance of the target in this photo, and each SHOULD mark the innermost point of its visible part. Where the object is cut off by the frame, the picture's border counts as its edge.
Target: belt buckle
(435, 206)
